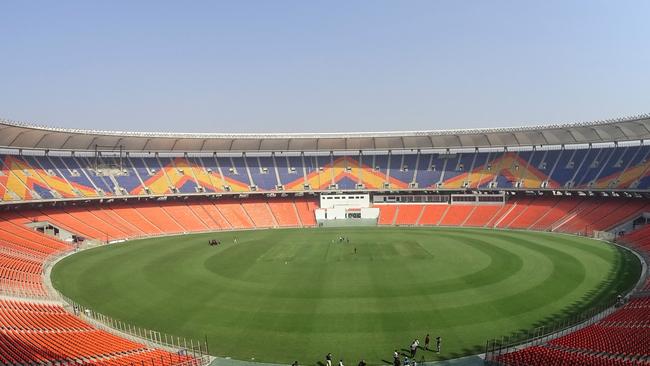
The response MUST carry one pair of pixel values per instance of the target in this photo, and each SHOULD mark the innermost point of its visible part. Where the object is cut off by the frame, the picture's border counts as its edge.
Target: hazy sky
(325, 66)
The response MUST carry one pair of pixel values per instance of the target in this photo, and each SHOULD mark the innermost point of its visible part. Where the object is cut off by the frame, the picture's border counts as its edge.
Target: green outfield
(296, 294)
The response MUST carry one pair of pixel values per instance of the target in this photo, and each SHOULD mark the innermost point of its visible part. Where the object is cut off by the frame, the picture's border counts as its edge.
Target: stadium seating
(119, 221)
(387, 214)
(558, 211)
(517, 208)
(408, 214)
(34, 317)
(102, 224)
(636, 313)
(626, 341)
(622, 338)
(532, 212)
(638, 238)
(51, 177)
(259, 213)
(202, 214)
(216, 215)
(158, 217)
(456, 215)
(133, 217)
(545, 356)
(431, 215)
(285, 213)
(547, 213)
(23, 347)
(305, 208)
(185, 217)
(482, 215)
(235, 214)
(147, 358)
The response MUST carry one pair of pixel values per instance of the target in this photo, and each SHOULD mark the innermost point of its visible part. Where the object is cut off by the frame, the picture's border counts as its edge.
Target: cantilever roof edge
(19, 135)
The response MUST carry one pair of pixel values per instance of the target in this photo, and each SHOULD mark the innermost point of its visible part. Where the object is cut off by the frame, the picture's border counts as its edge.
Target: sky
(321, 66)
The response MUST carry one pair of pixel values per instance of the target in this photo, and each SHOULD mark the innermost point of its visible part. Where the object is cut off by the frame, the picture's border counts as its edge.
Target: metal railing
(540, 335)
(182, 351)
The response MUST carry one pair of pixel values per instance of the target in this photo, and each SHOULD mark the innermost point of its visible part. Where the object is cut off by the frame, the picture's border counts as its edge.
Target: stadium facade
(105, 186)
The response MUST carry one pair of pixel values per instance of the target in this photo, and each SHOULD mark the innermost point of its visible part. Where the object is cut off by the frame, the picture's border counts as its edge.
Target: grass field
(285, 295)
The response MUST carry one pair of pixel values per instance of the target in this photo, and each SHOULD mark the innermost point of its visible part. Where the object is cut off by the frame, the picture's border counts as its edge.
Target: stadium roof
(17, 135)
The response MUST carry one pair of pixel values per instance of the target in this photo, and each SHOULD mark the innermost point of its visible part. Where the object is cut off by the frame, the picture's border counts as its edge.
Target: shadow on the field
(599, 297)
(466, 351)
(617, 281)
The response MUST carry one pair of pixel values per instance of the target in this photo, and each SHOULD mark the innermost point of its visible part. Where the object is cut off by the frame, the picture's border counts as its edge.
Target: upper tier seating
(52, 177)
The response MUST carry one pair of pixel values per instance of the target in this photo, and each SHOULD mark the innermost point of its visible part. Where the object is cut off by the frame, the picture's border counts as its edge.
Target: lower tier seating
(574, 215)
(622, 340)
(46, 333)
(147, 358)
(545, 356)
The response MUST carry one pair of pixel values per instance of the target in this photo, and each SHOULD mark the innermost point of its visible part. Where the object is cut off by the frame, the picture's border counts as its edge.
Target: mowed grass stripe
(281, 295)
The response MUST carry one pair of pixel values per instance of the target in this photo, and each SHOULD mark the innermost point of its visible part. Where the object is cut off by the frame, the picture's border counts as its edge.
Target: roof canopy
(16, 135)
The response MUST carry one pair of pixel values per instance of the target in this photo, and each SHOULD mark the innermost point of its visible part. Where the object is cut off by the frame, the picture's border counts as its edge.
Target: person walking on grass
(427, 340)
(414, 347)
(438, 344)
(362, 363)
(328, 359)
(341, 363)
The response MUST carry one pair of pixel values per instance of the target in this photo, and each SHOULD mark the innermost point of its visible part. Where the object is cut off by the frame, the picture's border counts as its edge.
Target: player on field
(328, 359)
(427, 340)
(414, 347)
